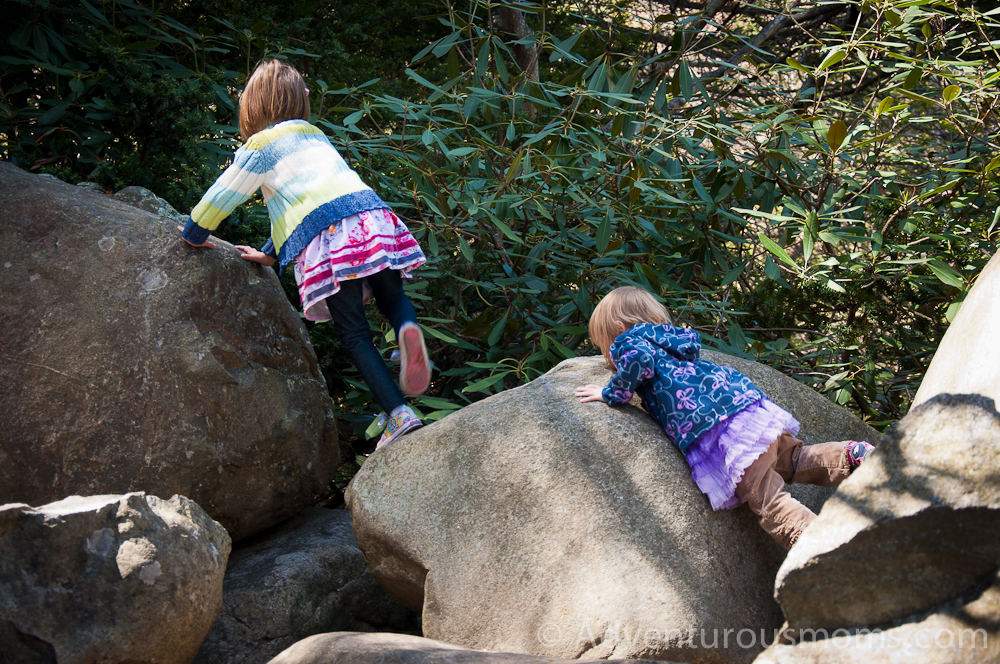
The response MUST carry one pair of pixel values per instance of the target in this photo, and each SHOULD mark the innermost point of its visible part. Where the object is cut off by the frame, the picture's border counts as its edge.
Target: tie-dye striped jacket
(687, 396)
(307, 186)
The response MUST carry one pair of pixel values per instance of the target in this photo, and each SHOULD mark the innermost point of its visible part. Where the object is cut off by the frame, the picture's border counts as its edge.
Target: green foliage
(122, 94)
(333, 44)
(113, 93)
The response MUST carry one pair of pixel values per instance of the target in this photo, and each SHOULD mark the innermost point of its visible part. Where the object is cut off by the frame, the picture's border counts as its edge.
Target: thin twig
(42, 366)
(772, 29)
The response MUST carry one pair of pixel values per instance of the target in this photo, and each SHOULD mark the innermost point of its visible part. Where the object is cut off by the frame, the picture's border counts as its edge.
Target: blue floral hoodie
(687, 396)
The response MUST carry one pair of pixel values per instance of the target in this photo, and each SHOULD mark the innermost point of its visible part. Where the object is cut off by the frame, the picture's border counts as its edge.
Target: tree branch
(775, 26)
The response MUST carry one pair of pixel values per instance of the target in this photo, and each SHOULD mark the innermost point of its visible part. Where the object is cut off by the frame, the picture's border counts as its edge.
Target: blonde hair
(622, 308)
(274, 93)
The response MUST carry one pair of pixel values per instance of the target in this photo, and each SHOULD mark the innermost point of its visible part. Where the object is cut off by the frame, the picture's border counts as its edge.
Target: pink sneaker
(857, 452)
(405, 420)
(414, 365)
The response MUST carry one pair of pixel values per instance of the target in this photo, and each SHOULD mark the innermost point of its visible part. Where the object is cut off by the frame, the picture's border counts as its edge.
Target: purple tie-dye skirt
(719, 456)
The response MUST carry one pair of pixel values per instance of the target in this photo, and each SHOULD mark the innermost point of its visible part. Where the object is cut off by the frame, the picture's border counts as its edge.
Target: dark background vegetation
(815, 190)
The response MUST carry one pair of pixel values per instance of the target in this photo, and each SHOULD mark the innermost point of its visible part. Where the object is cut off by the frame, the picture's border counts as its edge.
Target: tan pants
(788, 460)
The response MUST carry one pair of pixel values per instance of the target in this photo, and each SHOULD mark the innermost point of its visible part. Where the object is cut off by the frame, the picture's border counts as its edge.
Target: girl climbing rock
(343, 239)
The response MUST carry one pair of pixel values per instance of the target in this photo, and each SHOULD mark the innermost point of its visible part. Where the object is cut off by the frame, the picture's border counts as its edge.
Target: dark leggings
(348, 312)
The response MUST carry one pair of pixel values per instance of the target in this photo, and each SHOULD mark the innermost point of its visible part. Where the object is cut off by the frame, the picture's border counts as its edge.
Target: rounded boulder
(529, 522)
(115, 579)
(132, 361)
(917, 524)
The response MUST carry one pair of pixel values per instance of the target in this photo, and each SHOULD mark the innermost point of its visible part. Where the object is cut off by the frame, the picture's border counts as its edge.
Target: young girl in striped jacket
(345, 242)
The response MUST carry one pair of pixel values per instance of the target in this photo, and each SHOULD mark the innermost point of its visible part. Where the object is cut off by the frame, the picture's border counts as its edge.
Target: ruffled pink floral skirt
(353, 248)
(719, 457)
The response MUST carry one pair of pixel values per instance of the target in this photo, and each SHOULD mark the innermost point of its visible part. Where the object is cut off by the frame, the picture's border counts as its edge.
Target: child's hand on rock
(251, 254)
(589, 393)
(207, 245)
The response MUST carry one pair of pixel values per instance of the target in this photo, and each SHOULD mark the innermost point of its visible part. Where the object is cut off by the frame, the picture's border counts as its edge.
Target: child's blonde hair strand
(274, 93)
(618, 311)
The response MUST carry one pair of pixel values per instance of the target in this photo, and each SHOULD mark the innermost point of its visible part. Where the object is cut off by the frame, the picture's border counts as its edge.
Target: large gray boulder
(355, 648)
(967, 360)
(303, 577)
(132, 361)
(917, 524)
(965, 630)
(114, 579)
(529, 522)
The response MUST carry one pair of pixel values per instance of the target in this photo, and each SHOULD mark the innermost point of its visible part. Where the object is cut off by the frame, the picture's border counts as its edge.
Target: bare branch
(775, 26)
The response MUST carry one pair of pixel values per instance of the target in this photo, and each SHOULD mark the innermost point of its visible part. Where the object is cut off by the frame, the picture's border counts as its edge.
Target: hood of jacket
(680, 342)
